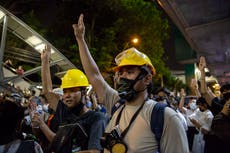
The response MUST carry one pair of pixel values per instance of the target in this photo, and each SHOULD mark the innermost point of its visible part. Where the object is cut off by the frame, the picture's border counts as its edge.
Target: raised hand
(182, 92)
(194, 122)
(45, 71)
(37, 120)
(46, 53)
(202, 63)
(193, 84)
(79, 29)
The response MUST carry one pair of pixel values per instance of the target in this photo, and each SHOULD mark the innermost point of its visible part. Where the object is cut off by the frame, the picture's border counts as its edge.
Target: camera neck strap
(131, 121)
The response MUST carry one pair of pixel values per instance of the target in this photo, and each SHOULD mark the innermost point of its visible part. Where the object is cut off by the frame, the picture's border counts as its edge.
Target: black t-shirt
(92, 122)
(218, 139)
(63, 115)
(217, 106)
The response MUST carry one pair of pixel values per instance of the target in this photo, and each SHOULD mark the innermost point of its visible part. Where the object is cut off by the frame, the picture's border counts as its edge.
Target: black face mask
(160, 98)
(125, 86)
(77, 109)
(226, 96)
(125, 89)
(202, 110)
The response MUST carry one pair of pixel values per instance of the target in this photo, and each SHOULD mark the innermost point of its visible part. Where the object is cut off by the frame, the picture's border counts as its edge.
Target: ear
(148, 79)
(83, 98)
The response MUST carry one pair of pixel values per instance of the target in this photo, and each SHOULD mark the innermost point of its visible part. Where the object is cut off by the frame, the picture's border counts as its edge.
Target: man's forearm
(88, 63)
(47, 132)
(197, 92)
(46, 77)
(208, 95)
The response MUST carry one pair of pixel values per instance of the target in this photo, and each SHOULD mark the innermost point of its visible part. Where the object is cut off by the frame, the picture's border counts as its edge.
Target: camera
(113, 142)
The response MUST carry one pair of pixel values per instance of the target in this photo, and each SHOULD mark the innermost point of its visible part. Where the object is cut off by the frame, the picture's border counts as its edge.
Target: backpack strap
(117, 105)
(157, 121)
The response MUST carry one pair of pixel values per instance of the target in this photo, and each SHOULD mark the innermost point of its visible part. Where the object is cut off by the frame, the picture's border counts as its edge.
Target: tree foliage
(110, 26)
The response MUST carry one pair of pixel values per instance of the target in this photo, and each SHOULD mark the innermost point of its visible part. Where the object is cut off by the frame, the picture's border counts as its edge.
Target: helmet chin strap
(140, 76)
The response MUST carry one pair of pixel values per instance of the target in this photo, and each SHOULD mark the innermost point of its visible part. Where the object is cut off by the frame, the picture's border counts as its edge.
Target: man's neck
(141, 97)
(84, 110)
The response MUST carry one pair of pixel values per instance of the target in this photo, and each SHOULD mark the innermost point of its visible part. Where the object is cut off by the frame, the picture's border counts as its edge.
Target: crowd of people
(87, 115)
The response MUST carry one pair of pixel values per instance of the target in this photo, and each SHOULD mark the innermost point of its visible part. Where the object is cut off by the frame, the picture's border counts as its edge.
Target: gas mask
(125, 89)
(161, 98)
(125, 86)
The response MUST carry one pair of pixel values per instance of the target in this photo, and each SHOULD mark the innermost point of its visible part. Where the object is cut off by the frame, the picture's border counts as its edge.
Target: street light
(134, 41)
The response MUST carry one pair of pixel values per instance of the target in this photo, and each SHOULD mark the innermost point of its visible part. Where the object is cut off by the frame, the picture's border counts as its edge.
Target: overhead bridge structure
(21, 43)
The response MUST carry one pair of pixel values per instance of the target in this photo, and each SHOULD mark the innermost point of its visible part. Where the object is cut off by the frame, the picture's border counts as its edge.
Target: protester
(135, 72)
(20, 70)
(213, 101)
(11, 116)
(162, 95)
(83, 126)
(202, 120)
(187, 110)
(218, 138)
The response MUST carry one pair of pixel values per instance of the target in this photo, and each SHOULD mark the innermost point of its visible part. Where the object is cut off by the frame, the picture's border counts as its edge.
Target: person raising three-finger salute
(131, 123)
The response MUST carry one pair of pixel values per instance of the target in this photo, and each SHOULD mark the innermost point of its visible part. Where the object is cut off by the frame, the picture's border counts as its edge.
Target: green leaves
(110, 26)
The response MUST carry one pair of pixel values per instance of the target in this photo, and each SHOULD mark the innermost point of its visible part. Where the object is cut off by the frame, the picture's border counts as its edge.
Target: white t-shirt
(204, 118)
(140, 138)
(188, 113)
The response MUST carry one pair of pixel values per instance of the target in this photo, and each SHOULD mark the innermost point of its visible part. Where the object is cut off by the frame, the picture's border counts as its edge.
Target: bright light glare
(1, 14)
(159, 2)
(135, 40)
(216, 86)
(40, 47)
(34, 40)
(206, 69)
(39, 87)
(52, 51)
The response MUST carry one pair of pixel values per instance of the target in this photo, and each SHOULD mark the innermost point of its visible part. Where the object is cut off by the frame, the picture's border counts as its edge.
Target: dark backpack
(157, 121)
(26, 146)
(19, 146)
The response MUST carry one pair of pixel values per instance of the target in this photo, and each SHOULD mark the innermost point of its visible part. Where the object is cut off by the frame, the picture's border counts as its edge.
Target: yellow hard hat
(132, 56)
(74, 78)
